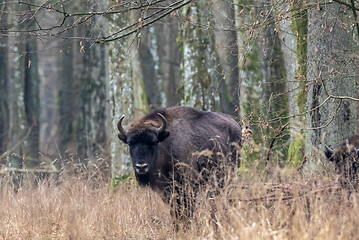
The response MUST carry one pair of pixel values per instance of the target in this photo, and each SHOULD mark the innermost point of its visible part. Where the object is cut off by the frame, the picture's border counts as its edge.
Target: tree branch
(144, 25)
(280, 131)
(347, 4)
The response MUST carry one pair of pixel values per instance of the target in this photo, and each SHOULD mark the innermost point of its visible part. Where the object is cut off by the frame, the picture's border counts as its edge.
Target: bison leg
(182, 204)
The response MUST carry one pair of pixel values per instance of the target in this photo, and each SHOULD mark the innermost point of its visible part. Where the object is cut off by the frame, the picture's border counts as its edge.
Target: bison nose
(141, 168)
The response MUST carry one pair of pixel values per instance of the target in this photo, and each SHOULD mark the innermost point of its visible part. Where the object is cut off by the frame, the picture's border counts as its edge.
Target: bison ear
(122, 137)
(328, 152)
(163, 135)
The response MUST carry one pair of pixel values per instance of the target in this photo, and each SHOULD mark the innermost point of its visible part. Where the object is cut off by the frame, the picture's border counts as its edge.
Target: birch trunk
(120, 96)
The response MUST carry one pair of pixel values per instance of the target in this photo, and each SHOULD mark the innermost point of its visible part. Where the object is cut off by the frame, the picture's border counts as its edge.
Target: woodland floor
(280, 205)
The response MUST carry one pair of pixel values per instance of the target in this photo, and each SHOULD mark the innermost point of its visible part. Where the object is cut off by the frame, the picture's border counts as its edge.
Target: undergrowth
(275, 204)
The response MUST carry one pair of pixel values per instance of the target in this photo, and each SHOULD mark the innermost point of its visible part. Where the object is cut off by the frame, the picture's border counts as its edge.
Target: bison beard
(345, 157)
(178, 150)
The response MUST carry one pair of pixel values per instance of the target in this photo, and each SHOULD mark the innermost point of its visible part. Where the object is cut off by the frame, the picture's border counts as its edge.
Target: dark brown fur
(188, 150)
(345, 158)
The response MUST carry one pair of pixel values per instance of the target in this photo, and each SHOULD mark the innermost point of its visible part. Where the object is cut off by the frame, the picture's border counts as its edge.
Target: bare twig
(347, 4)
(7, 153)
(330, 121)
(288, 193)
(280, 131)
(145, 24)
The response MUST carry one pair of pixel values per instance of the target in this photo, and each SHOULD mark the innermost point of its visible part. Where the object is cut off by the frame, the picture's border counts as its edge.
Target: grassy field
(279, 205)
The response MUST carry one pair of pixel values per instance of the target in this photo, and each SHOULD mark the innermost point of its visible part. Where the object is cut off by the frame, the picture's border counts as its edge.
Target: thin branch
(144, 19)
(330, 96)
(330, 121)
(27, 170)
(78, 14)
(7, 153)
(106, 12)
(144, 25)
(280, 131)
(347, 4)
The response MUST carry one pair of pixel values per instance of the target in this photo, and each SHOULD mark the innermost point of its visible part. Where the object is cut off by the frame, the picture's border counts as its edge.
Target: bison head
(143, 137)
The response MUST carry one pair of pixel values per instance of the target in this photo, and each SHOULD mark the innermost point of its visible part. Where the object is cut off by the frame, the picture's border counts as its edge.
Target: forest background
(286, 70)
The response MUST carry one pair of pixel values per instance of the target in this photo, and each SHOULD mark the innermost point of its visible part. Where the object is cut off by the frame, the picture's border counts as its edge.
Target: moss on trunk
(299, 25)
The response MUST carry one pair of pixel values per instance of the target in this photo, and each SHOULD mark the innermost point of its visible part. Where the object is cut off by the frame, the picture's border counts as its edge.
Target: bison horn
(164, 124)
(120, 128)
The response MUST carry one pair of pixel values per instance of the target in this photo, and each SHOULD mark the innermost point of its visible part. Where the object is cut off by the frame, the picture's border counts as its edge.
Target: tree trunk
(273, 82)
(91, 130)
(196, 82)
(331, 71)
(168, 54)
(4, 104)
(227, 50)
(18, 130)
(146, 75)
(120, 96)
(288, 47)
(142, 75)
(32, 101)
(67, 99)
(272, 65)
(145, 84)
(51, 74)
(293, 33)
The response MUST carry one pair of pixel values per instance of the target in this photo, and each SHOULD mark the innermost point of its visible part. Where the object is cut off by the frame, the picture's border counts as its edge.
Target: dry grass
(252, 207)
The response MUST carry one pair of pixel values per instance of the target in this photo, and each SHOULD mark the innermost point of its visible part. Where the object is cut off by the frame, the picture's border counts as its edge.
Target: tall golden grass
(257, 205)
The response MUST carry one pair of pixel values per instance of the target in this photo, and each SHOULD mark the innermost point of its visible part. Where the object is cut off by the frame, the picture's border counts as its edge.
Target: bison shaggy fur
(174, 148)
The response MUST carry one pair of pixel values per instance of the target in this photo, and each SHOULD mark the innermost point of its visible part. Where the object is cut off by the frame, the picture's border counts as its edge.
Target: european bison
(176, 146)
(346, 157)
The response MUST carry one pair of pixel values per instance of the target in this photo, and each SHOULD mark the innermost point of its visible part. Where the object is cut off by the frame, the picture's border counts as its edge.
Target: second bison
(346, 159)
(180, 146)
